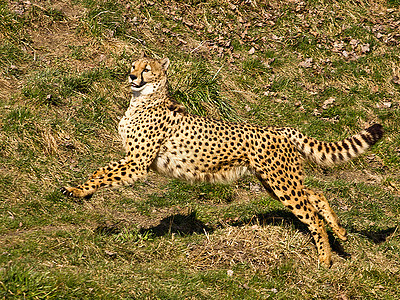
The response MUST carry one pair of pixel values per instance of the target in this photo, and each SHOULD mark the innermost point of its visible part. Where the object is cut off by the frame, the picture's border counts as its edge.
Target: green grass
(63, 89)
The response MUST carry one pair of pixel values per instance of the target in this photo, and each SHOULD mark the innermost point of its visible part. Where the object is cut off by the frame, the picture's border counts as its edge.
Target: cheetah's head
(148, 75)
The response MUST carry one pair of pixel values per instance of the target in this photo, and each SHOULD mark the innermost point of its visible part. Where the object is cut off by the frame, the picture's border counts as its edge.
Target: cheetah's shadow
(180, 224)
(189, 224)
(376, 236)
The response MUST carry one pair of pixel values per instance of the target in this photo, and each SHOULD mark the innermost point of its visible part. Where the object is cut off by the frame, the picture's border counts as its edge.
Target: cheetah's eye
(147, 69)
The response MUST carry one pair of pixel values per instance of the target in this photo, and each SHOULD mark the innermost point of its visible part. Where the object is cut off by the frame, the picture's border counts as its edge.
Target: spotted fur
(158, 134)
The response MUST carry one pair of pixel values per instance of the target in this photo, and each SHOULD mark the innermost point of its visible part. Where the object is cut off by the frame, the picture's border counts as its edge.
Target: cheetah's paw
(74, 192)
(341, 233)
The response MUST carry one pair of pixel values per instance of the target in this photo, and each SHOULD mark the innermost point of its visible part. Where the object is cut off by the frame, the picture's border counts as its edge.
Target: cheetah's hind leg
(267, 187)
(297, 201)
(320, 203)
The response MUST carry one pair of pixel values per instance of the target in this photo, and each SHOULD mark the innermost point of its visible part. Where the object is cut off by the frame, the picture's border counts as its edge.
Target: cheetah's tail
(329, 154)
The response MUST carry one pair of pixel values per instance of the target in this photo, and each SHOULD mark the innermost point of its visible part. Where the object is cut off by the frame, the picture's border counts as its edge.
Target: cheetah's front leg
(116, 174)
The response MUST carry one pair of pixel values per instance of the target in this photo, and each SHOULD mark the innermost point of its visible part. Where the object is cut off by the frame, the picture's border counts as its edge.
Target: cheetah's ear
(165, 63)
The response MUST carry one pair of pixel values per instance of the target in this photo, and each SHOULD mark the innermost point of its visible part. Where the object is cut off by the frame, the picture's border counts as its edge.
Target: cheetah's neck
(141, 102)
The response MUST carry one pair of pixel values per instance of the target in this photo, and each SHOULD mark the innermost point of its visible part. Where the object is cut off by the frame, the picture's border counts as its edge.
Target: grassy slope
(328, 68)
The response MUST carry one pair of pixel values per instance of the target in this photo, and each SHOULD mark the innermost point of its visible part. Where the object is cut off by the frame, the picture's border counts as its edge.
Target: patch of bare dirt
(358, 176)
(7, 88)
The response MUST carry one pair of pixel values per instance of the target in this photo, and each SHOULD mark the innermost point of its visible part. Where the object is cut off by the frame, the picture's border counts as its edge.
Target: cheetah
(159, 134)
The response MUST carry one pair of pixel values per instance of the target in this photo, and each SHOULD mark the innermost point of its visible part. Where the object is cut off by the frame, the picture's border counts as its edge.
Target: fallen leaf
(307, 63)
(338, 46)
(343, 297)
(181, 41)
(316, 112)
(384, 105)
(111, 254)
(232, 6)
(328, 102)
(396, 79)
(274, 37)
(188, 23)
(375, 89)
(387, 104)
(354, 43)
(365, 48)
(252, 50)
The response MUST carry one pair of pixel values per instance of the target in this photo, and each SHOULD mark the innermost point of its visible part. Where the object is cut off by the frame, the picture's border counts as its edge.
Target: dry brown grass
(257, 247)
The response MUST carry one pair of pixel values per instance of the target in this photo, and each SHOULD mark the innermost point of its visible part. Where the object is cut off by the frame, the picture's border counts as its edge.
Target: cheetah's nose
(132, 77)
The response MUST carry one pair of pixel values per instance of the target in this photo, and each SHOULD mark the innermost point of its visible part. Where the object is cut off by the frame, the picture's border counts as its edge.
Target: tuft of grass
(20, 283)
(199, 91)
(104, 19)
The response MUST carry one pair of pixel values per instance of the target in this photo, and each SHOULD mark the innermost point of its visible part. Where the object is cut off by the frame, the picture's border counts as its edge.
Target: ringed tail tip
(376, 132)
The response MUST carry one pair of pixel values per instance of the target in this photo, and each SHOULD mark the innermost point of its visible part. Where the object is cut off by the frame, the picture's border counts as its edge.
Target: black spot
(327, 148)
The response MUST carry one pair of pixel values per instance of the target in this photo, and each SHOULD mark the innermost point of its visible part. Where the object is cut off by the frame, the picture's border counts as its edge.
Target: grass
(63, 89)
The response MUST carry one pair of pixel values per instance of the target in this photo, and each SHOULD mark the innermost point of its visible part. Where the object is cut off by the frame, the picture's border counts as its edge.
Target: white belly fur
(167, 166)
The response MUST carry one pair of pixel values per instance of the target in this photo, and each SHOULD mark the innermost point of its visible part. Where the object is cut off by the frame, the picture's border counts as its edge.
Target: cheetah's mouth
(137, 87)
